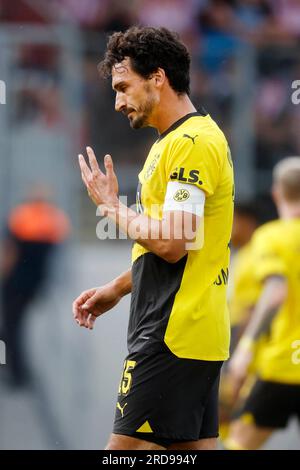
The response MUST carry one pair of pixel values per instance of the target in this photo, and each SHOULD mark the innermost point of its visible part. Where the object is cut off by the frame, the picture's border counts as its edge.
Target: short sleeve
(267, 257)
(195, 162)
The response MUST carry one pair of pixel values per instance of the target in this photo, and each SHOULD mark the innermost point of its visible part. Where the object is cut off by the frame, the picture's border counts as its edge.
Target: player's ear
(159, 77)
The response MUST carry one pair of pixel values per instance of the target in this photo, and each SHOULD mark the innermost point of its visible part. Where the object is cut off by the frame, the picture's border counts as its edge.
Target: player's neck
(171, 109)
(289, 211)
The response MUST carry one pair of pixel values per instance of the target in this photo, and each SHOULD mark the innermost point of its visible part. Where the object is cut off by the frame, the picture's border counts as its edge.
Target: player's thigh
(163, 399)
(201, 444)
(246, 436)
(267, 408)
(209, 426)
(121, 442)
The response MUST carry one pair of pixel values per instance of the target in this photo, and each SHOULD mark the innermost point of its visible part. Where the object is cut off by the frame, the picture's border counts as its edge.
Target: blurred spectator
(173, 14)
(220, 33)
(273, 122)
(90, 14)
(21, 11)
(253, 16)
(120, 16)
(287, 16)
(34, 230)
(218, 26)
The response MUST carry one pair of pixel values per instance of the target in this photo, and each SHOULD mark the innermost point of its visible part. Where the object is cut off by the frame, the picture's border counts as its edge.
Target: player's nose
(120, 102)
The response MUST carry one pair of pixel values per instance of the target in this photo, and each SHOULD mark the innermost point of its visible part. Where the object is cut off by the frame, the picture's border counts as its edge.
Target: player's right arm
(271, 270)
(94, 302)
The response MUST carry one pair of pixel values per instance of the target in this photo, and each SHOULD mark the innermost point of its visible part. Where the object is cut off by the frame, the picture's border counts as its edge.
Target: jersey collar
(180, 121)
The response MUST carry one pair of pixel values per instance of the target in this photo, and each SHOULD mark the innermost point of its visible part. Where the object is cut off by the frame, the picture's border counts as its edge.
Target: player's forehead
(122, 72)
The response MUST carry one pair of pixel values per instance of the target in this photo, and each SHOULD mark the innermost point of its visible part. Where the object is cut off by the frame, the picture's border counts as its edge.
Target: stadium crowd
(216, 32)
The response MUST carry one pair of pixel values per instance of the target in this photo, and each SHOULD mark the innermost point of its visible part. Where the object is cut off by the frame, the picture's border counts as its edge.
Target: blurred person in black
(33, 230)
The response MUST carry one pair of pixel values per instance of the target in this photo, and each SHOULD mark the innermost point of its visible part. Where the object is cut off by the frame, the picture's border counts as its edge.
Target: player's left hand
(238, 368)
(102, 188)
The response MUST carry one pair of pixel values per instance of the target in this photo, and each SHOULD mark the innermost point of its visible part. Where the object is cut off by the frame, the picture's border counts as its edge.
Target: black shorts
(164, 399)
(271, 404)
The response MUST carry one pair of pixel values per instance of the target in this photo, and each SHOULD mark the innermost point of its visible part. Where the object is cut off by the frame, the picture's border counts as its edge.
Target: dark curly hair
(148, 49)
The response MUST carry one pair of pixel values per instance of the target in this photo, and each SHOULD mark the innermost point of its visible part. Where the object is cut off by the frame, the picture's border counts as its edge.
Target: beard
(141, 115)
(138, 121)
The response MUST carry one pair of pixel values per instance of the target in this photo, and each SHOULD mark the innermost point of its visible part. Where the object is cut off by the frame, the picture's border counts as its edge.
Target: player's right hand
(94, 302)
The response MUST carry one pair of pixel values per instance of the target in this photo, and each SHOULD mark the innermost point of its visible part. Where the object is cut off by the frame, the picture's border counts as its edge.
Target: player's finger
(109, 166)
(82, 298)
(91, 321)
(84, 180)
(85, 171)
(78, 313)
(93, 160)
(79, 317)
(83, 319)
(91, 302)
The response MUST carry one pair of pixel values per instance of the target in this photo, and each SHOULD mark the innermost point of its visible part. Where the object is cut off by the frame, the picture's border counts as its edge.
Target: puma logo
(190, 137)
(121, 408)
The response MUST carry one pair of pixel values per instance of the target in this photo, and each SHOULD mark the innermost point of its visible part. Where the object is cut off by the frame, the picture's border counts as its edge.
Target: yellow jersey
(244, 287)
(245, 290)
(182, 306)
(276, 251)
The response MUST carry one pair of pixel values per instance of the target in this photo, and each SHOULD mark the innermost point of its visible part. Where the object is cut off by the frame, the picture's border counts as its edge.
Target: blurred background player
(34, 230)
(275, 396)
(243, 293)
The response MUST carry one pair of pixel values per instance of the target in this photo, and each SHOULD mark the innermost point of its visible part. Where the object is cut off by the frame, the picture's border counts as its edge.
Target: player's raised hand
(102, 187)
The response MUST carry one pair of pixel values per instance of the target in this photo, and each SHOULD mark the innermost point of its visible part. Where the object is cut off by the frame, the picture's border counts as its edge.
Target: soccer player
(243, 287)
(244, 290)
(178, 334)
(276, 253)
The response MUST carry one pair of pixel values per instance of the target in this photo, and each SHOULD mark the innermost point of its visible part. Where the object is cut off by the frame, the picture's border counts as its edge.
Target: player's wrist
(121, 286)
(247, 343)
(109, 207)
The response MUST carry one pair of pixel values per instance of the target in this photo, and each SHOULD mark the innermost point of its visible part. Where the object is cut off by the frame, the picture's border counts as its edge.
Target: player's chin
(137, 123)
